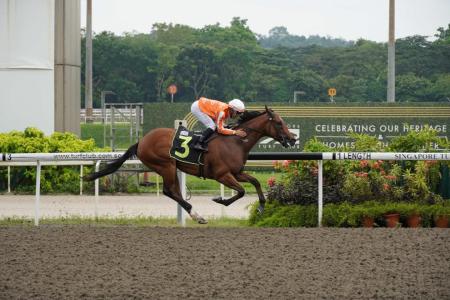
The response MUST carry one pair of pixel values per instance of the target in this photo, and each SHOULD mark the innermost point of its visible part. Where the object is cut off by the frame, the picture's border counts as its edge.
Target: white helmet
(237, 105)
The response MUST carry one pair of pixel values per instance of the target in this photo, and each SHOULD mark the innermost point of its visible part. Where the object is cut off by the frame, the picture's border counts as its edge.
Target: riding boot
(201, 143)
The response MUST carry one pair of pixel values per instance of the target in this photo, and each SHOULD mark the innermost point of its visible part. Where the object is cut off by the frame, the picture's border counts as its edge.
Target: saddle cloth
(181, 146)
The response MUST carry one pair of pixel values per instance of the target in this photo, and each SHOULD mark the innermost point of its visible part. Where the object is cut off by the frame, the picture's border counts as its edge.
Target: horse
(224, 161)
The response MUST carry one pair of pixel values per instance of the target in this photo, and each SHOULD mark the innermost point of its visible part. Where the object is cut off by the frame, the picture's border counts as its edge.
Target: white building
(40, 65)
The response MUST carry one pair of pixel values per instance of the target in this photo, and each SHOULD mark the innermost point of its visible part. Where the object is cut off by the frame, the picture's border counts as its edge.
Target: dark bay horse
(224, 161)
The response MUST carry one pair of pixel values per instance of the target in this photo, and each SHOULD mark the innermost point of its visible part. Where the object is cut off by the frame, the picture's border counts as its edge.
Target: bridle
(280, 136)
(271, 119)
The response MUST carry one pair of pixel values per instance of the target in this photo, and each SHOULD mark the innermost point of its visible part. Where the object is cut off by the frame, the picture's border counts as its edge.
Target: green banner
(329, 123)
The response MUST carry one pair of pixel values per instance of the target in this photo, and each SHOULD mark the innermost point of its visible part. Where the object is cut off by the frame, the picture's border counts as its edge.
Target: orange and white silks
(218, 111)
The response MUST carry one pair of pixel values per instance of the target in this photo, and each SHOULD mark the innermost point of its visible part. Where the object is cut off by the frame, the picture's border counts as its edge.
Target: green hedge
(96, 131)
(54, 179)
(343, 214)
(158, 115)
(277, 215)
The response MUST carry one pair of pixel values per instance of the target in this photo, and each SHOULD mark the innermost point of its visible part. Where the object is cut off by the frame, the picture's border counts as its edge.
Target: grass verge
(125, 221)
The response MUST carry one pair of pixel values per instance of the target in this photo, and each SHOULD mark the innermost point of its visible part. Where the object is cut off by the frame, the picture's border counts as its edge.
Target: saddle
(182, 143)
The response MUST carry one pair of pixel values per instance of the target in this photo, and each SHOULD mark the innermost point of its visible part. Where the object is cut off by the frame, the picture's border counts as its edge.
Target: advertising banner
(333, 124)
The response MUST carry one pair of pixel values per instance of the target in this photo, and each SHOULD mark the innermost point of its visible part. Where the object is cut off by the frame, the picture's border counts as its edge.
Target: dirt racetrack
(60, 262)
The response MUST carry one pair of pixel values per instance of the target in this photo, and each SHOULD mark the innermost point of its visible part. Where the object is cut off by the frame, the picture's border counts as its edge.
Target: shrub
(422, 141)
(303, 191)
(416, 141)
(371, 209)
(340, 215)
(359, 181)
(366, 143)
(299, 180)
(343, 214)
(417, 187)
(440, 209)
(54, 179)
(372, 180)
(278, 215)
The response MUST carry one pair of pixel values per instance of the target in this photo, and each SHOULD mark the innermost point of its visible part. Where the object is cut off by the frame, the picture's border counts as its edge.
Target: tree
(440, 89)
(163, 69)
(173, 35)
(418, 56)
(269, 78)
(121, 65)
(309, 82)
(225, 62)
(344, 87)
(237, 35)
(280, 37)
(196, 69)
(170, 39)
(411, 88)
(234, 48)
(236, 73)
(443, 35)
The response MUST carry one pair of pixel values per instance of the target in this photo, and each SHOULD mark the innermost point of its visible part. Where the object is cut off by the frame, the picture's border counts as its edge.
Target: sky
(347, 19)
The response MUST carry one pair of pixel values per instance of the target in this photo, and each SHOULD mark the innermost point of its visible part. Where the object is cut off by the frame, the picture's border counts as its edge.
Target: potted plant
(367, 220)
(441, 215)
(411, 213)
(368, 212)
(391, 215)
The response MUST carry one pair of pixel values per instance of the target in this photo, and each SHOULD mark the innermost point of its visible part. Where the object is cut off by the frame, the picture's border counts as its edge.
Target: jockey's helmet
(237, 105)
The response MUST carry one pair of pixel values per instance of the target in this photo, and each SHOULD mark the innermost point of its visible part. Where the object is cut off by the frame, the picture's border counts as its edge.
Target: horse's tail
(114, 165)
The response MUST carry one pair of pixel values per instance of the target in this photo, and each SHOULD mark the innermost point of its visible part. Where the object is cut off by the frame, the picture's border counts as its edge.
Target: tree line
(233, 62)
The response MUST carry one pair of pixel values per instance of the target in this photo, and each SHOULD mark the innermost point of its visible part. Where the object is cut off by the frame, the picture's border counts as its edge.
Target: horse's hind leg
(230, 181)
(244, 177)
(171, 188)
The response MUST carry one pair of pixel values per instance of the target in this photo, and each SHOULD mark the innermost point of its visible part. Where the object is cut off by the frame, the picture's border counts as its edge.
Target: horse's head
(276, 128)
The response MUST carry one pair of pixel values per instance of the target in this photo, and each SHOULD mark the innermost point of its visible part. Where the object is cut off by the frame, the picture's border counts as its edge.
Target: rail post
(38, 193)
(181, 216)
(81, 180)
(97, 168)
(157, 184)
(320, 188)
(9, 179)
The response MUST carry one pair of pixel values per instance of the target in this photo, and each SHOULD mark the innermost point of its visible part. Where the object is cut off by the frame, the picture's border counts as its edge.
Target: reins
(253, 129)
(257, 130)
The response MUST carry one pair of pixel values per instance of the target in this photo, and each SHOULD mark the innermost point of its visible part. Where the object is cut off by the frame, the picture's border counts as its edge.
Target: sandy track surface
(60, 262)
(114, 206)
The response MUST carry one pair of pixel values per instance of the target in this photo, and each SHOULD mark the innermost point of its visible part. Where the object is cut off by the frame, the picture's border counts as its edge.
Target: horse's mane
(248, 115)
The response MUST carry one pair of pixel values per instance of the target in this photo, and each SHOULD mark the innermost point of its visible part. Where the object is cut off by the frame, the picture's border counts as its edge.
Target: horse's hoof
(196, 217)
(260, 209)
(218, 199)
(202, 221)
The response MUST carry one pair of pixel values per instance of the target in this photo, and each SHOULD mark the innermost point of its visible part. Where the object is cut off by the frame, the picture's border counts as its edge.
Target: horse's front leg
(231, 182)
(172, 189)
(244, 177)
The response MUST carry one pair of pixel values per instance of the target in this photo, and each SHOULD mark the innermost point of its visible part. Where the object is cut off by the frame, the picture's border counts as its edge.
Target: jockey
(213, 113)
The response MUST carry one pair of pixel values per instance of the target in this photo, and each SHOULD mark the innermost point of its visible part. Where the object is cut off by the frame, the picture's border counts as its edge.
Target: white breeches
(202, 117)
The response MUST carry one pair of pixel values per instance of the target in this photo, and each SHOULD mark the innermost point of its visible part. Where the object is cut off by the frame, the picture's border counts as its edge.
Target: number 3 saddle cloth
(181, 146)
